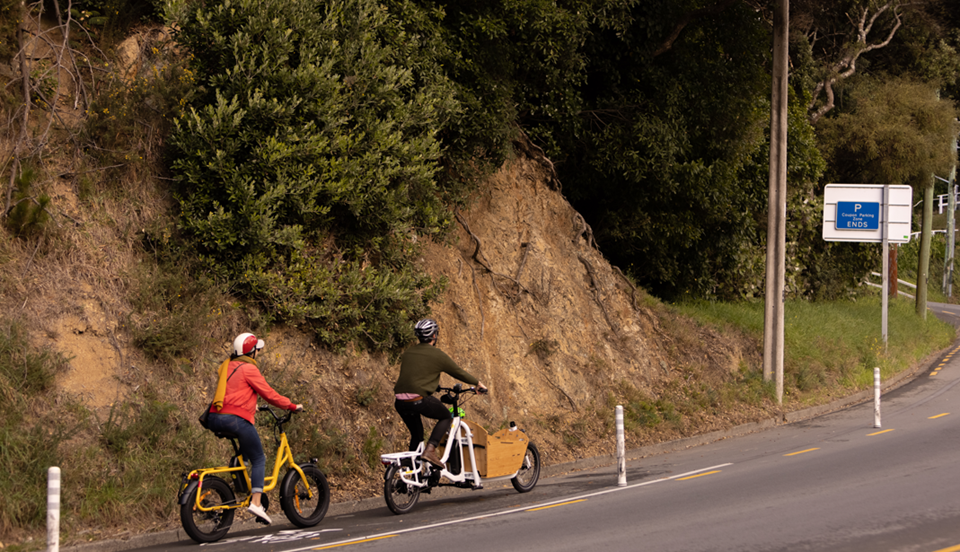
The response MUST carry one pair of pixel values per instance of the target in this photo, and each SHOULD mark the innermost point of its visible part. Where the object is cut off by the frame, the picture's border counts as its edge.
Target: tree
(837, 40)
(896, 131)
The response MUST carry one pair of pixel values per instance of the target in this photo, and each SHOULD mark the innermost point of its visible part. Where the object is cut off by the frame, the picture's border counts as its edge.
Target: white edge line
(510, 511)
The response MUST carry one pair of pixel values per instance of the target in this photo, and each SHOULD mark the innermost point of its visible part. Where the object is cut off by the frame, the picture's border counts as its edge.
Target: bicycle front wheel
(400, 497)
(212, 525)
(305, 501)
(526, 479)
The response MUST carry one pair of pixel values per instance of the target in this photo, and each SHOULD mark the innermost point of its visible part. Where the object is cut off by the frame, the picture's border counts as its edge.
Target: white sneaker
(259, 512)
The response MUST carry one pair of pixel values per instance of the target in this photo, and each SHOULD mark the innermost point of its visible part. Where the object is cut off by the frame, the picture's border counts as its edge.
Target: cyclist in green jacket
(420, 369)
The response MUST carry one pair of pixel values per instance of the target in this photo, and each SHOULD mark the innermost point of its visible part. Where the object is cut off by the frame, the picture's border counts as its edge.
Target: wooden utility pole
(773, 317)
(894, 290)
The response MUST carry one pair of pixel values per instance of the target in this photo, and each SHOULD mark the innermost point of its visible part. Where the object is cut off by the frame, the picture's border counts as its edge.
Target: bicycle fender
(291, 472)
(187, 491)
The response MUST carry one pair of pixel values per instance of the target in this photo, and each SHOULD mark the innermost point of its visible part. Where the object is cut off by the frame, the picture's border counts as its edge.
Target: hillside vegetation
(177, 173)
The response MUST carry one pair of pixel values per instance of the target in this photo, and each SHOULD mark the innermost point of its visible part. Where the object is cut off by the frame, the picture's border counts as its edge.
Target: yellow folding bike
(208, 504)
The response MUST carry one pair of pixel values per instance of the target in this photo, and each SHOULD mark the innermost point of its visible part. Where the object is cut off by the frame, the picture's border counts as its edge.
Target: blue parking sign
(858, 215)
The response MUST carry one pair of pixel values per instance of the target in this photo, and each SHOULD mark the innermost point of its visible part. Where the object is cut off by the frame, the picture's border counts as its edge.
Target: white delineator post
(876, 397)
(621, 450)
(53, 509)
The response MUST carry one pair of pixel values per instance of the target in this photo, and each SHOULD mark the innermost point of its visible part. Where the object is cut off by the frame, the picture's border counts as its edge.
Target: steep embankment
(532, 307)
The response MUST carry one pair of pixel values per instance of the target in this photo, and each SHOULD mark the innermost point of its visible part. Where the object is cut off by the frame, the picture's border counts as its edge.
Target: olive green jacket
(420, 369)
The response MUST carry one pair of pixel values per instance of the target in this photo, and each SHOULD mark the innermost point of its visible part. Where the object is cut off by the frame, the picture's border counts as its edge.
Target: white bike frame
(415, 475)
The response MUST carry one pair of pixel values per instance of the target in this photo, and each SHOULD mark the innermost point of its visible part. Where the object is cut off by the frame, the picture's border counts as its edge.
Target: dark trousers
(250, 446)
(431, 407)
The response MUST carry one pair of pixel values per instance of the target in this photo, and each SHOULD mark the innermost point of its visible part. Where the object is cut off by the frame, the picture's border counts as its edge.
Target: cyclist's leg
(250, 447)
(411, 418)
(431, 407)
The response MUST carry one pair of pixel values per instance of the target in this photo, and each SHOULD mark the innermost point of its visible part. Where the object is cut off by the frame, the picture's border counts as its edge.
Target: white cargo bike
(475, 457)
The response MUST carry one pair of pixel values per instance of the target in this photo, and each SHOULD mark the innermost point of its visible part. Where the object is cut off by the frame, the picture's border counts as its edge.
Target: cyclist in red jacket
(233, 411)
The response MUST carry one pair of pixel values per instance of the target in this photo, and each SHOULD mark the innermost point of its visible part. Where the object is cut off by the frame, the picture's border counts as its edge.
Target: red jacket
(243, 387)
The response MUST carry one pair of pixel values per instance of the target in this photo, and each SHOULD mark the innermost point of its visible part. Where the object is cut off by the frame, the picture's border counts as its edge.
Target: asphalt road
(834, 482)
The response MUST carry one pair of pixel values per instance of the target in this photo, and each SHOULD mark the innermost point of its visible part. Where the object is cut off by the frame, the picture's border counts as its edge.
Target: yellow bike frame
(284, 457)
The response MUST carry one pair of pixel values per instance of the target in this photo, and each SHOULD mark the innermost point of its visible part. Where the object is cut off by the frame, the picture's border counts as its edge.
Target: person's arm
(453, 369)
(260, 385)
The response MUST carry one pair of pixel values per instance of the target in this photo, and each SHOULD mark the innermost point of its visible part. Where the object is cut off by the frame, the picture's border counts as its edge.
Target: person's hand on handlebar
(481, 388)
(299, 408)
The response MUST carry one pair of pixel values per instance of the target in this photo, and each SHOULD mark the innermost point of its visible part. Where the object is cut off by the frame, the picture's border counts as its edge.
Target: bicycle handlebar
(460, 390)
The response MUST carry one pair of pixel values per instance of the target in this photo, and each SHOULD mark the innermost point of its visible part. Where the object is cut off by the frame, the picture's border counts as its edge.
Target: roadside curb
(177, 535)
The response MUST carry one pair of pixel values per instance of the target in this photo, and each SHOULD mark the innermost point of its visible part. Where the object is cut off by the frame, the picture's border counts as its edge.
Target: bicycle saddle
(225, 435)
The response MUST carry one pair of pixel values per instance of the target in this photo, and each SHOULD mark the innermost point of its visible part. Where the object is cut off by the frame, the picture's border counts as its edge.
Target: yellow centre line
(699, 475)
(801, 452)
(555, 505)
(878, 432)
(951, 549)
(938, 416)
(371, 539)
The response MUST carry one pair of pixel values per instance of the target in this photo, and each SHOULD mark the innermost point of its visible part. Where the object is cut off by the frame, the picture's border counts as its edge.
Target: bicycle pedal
(260, 520)
(477, 488)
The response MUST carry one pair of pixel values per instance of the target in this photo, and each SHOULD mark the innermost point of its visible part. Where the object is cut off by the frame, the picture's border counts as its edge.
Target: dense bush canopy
(325, 137)
(307, 162)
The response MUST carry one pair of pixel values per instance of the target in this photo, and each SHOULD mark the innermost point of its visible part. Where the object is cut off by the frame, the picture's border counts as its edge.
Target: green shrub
(367, 395)
(28, 215)
(372, 445)
(26, 371)
(10, 16)
(173, 311)
(306, 164)
(29, 443)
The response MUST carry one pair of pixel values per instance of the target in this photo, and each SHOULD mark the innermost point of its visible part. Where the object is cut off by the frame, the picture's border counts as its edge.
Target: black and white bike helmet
(426, 329)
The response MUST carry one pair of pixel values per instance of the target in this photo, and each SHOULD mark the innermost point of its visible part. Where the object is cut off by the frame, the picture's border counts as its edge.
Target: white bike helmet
(246, 343)
(426, 329)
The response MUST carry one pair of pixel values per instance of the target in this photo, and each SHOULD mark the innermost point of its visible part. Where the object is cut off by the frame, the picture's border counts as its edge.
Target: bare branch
(846, 66)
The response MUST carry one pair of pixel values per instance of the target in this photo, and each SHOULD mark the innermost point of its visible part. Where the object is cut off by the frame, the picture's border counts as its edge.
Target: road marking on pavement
(801, 452)
(878, 432)
(938, 416)
(555, 505)
(951, 549)
(368, 539)
(698, 475)
(503, 512)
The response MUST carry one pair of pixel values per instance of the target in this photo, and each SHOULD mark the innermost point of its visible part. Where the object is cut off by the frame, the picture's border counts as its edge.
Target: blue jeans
(250, 446)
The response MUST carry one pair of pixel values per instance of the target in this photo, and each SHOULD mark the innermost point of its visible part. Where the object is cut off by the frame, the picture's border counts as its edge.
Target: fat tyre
(400, 497)
(303, 508)
(526, 479)
(211, 526)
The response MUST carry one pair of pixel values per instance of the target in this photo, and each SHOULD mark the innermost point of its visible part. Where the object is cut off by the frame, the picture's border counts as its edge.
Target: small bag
(205, 416)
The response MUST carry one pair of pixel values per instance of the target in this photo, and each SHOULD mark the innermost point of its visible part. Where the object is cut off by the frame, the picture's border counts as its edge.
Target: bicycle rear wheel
(305, 502)
(400, 497)
(212, 525)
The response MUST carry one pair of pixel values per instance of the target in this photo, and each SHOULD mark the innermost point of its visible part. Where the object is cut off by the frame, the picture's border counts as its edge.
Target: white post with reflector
(621, 450)
(53, 509)
(876, 397)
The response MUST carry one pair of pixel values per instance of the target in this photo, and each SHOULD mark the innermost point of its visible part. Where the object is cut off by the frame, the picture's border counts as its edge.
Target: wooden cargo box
(497, 455)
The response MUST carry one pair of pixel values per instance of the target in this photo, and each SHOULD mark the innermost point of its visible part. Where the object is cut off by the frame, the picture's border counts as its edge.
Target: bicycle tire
(204, 527)
(526, 479)
(305, 509)
(400, 497)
